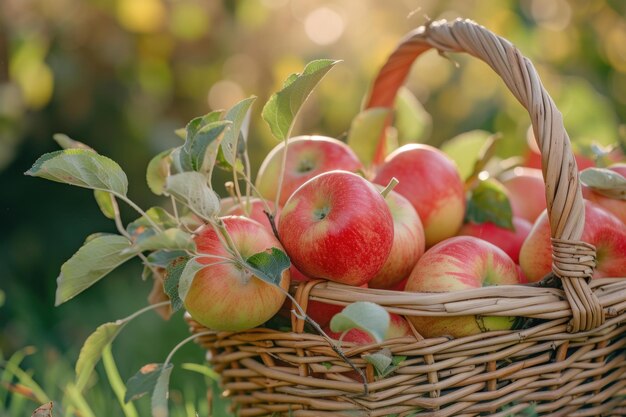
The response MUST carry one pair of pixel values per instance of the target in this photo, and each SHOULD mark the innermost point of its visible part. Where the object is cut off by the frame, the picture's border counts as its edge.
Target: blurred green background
(122, 75)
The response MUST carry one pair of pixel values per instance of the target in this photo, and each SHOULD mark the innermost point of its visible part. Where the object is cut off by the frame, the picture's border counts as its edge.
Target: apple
(532, 157)
(602, 229)
(256, 211)
(224, 297)
(337, 226)
(510, 241)
(322, 313)
(398, 327)
(430, 180)
(527, 192)
(408, 242)
(455, 264)
(307, 156)
(613, 205)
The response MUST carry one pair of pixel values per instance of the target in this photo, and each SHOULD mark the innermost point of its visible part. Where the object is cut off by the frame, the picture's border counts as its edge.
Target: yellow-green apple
(510, 241)
(602, 229)
(430, 180)
(455, 264)
(337, 226)
(398, 327)
(255, 211)
(527, 192)
(408, 242)
(307, 156)
(615, 206)
(222, 295)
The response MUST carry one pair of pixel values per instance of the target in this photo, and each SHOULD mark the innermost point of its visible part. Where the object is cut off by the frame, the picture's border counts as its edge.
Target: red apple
(602, 229)
(222, 296)
(337, 226)
(532, 157)
(307, 156)
(456, 264)
(398, 327)
(255, 211)
(510, 241)
(408, 242)
(613, 205)
(322, 312)
(430, 180)
(527, 192)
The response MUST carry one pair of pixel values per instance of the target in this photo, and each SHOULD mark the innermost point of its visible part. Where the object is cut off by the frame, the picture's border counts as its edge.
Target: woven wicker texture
(570, 359)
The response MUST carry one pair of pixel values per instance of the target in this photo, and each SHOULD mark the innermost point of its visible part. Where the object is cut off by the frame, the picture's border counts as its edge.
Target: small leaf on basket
(489, 203)
(282, 108)
(82, 168)
(365, 131)
(192, 190)
(158, 170)
(92, 349)
(381, 360)
(269, 265)
(144, 381)
(363, 315)
(95, 259)
(604, 181)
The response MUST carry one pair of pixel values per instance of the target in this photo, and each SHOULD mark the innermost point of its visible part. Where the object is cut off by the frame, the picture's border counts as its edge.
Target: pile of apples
(336, 224)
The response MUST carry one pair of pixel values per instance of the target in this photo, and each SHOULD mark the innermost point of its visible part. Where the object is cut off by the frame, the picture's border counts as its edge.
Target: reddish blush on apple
(430, 180)
(307, 156)
(527, 192)
(337, 226)
(222, 296)
(455, 264)
(602, 229)
(510, 241)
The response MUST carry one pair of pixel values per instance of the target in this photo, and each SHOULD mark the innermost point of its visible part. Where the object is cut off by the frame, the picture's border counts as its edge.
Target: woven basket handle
(573, 260)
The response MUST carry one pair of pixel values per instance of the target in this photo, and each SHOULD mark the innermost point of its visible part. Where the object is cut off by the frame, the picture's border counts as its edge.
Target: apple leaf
(230, 143)
(282, 108)
(363, 315)
(141, 228)
(163, 258)
(191, 189)
(188, 273)
(411, 119)
(161, 393)
(105, 202)
(365, 132)
(269, 265)
(171, 239)
(381, 360)
(66, 142)
(199, 152)
(82, 168)
(197, 123)
(158, 170)
(465, 150)
(92, 349)
(605, 181)
(95, 259)
(144, 381)
(173, 273)
(488, 202)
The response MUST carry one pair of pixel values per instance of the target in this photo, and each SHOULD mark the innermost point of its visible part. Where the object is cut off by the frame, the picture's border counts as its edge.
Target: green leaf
(92, 349)
(161, 393)
(144, 381)
(398, 359)
(162, 258)
(465, 150)
(141, 228)
(158, 170)
(191, 189)
(269, 265)
(66, 142)
(192, 267)
(198, 123)
(365, 132)
(172, 279)
(363, 315)
(202, 148)
(172, 239)
(605, 181)
(90, 263)
(82, 168)
(282, 108)
(105, 203)
(201, 369)
(381, 360)
(488, 202)
(230, 142)
(412, 121)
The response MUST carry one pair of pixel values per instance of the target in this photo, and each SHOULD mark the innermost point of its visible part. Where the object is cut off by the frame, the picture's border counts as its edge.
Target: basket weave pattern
(571, 360)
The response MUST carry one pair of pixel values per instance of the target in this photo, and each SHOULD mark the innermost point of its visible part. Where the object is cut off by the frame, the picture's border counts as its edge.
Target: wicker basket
(570, 362)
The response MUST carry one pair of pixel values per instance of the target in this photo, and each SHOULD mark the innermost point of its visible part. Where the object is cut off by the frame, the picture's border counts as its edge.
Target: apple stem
(143, 310)
(392, 184)
(182, 343)
(270, 218)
